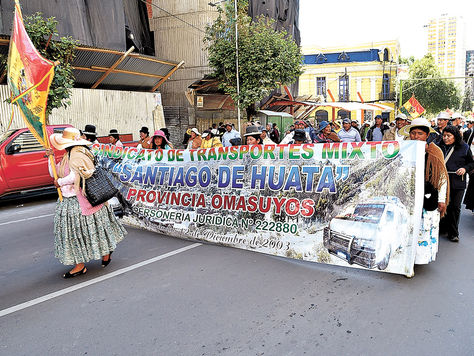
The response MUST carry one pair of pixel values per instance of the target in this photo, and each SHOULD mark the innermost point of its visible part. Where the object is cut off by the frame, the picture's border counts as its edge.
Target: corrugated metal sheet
(5, 111)
(88, 57)
(126, 111)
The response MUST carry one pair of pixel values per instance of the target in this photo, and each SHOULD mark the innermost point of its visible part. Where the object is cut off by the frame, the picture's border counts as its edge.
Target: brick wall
(177, 120)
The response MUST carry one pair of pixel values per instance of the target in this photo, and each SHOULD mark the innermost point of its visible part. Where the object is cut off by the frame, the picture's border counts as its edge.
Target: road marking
(23, 210)
(26, 219)
(93, 281)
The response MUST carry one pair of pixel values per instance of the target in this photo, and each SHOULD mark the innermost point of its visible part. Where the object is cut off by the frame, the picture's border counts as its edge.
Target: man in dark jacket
(275, 134)
(468, 135)
(377, 131)
(443, 121)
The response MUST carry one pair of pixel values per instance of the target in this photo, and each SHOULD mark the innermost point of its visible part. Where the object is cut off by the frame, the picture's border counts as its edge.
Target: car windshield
(4, 136)
(370, 213)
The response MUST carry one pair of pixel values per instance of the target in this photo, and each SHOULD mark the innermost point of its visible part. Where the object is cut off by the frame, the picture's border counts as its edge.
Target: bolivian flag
(412, 108)
(29, 78)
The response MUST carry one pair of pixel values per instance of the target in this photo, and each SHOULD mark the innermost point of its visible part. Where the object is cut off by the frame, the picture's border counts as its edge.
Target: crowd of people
(448, 160)
(84, 232)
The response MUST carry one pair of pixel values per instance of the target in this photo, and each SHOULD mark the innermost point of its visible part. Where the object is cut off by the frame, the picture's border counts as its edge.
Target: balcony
(343, 97)
(387, 95)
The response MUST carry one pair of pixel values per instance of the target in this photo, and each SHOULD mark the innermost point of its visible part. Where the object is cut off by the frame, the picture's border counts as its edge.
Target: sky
(339, 23)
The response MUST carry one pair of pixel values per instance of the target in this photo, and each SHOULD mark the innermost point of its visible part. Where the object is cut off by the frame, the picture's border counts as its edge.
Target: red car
(22, 163)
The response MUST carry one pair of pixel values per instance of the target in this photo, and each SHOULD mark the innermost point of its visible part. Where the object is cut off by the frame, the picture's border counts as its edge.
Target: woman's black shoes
(106, 263)
(71, 275)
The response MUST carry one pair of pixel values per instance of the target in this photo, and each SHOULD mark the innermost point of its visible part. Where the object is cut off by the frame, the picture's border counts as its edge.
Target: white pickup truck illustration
(368, 233)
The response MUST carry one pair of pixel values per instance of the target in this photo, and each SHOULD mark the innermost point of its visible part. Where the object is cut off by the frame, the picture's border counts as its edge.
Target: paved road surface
(210, 300)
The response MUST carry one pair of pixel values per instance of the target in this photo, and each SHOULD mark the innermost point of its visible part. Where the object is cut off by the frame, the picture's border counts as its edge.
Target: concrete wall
(125, 111)
(181, 41)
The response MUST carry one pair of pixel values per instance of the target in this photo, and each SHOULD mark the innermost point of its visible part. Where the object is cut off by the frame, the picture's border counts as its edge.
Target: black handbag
(98, 187)
(236, 141)
(430, 201)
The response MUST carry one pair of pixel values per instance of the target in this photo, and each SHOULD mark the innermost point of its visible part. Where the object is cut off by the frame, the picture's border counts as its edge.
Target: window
(321, 115)
(385, 55)
(344, 88)
(27, 142)
(368, 115)
(386, 87)
(343, 114)
(321, 86)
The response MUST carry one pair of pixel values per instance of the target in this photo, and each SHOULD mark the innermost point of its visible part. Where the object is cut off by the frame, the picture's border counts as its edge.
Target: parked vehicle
(23, 167)
(126, 139)
(368, 233)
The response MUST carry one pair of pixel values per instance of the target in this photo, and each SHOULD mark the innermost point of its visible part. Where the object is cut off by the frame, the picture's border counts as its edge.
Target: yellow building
(363, 73)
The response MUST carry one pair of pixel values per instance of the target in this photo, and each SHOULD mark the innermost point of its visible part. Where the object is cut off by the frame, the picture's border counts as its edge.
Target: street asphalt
(166, 296)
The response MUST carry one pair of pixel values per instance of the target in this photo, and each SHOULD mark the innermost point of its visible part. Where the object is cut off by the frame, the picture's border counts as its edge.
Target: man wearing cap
(348, 133)
(143, 142)
(229, 134)
(468, 135)
(114, 138)
(377, 131)
(364, 129)
(394, 133)
(355, 125)
(456, 120)
(443, 121)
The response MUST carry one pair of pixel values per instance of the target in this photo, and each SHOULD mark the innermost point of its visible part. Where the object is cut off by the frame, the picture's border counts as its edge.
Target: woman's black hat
(114, 133)
(90, 130)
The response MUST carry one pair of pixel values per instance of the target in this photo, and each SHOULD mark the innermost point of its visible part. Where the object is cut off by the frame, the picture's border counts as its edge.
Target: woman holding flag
(82, 232)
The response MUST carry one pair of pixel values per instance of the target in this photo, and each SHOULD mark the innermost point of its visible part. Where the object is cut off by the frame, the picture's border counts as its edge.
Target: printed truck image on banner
(347, 204)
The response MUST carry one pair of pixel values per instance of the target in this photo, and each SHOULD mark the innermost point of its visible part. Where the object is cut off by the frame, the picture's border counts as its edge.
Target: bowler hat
(252, 130)
(114, 133)
(90, 130)
(144, 129)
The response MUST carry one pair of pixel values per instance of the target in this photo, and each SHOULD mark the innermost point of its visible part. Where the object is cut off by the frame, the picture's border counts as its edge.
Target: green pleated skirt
(79, 238)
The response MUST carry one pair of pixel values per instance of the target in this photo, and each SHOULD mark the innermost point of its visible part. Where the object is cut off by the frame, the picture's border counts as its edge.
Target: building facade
(179, 29)
(446, 43)
(470, 71)
(362, 73)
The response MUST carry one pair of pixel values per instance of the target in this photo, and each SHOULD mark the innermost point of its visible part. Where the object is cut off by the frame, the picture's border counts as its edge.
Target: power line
(169, 13)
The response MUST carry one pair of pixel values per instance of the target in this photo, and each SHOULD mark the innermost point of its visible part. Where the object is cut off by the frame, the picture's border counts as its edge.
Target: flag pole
(51, 158)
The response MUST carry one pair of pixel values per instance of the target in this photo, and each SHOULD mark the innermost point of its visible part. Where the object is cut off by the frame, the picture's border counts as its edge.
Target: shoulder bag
(98, 187)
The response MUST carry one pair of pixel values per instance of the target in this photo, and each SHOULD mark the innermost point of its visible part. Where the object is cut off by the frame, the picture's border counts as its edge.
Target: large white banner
(347, 204)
